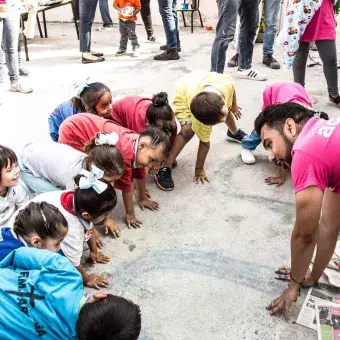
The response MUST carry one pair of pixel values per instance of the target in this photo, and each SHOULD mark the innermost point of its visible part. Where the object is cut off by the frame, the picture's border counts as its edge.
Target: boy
(213, 94)
(127, 14)
(42, 297)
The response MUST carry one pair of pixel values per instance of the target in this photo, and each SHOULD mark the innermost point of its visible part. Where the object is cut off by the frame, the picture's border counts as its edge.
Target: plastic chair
(194, 8)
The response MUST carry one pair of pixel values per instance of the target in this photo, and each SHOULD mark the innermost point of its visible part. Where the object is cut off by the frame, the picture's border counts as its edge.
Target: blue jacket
(40, 295)
(55, 119)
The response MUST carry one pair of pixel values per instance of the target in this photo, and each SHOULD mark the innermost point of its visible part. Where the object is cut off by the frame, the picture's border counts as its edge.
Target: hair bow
(107, 138)
(92, 180)
(317, 114)
(79, 88)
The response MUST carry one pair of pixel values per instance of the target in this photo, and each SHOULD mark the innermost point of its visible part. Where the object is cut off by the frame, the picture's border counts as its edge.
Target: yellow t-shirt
(189, 86)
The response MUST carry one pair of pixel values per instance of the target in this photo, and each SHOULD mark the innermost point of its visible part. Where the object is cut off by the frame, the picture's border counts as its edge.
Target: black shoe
(151, 38)
(237, 137)
(164, 179)
(233, 62)
(91, 61)
(163, 48)
(23, 72)
(171, 55)
(271, 62)
(97, 54)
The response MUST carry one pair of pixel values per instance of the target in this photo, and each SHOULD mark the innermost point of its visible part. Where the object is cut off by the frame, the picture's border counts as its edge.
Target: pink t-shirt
(316, 156)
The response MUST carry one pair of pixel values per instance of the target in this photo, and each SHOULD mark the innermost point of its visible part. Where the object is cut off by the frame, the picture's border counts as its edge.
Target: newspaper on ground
(328, 322)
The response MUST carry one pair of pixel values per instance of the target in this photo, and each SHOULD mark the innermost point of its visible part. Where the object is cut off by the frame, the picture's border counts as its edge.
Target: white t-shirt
(15, 199)
(57, 163)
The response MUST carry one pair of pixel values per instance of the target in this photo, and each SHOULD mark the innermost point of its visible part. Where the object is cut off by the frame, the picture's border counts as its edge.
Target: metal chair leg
(45, 26)
(183, 16)
(199, 13)
(192, 21)
(39, 26)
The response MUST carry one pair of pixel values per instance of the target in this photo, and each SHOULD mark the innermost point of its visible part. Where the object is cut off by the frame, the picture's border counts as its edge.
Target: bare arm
(202, 153)
(136, 11)
(116, 7)
(130, 217)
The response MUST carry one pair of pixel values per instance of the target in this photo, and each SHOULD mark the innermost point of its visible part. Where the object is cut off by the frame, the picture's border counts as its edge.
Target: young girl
(39, 225)
(89, 97)
(139, 151)
(13, 193)
(89, 204)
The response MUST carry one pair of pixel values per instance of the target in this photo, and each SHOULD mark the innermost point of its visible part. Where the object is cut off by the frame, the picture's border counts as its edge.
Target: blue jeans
(168, 12)
(105, 12)
(251, 142)
(87, 11)
(271, 17)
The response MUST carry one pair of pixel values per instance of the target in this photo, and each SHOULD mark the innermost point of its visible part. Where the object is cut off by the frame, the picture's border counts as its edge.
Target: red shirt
(130, 112)
(79, 129)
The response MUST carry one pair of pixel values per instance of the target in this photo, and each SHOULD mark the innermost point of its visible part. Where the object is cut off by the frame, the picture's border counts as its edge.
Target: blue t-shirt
(8, 242)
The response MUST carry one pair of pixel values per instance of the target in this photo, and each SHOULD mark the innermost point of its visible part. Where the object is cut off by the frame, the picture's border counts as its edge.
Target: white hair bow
(92, 180)
(79, 88)
(109, 138)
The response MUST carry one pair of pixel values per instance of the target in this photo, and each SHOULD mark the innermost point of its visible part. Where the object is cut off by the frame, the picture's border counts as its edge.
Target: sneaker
(250, 74)
(233, 62)
(171, 55)
(119, 53)
(271, 62)
(237, 137)
(151, 38)
(105, 28)
(24, 72)
(164, 179)
(136, 52)
(247, 156)
(163, 48)
(19, 88)
(88, 58)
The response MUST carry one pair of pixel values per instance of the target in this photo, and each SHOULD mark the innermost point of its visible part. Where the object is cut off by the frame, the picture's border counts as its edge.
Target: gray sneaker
(19, 88)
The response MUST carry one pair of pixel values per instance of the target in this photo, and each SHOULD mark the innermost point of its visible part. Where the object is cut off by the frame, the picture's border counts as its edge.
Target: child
(52, 305)
(13, 193)
(209, 94)
(89, 97)
(39, 225)
(88, 205)
(127, 15)
(139, 151)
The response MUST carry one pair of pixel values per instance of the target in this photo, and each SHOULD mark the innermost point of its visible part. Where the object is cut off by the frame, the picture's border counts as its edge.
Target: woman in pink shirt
(307, 140)
(321, 29)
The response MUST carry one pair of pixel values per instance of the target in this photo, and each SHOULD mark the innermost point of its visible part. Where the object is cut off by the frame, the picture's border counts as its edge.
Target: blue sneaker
(164, 179)
(237, 137)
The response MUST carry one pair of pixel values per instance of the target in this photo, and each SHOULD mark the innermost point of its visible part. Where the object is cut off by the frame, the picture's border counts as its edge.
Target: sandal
(335, 100)
(85, 60)
(97, 54)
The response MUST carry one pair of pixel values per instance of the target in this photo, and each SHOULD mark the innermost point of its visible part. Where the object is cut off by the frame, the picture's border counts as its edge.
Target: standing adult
(105, 14)
(87, 11)
(249, 17)
(146, 17)
(168, 11)
(293, 134)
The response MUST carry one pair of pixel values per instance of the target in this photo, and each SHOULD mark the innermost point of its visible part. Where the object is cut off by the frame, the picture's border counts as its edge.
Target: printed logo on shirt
(327, 128)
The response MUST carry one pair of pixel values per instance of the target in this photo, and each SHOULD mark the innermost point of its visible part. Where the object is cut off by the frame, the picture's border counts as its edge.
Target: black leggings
(327, 52)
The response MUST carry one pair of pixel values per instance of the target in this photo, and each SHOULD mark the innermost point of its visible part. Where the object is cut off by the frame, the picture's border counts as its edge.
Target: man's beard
(287, 161)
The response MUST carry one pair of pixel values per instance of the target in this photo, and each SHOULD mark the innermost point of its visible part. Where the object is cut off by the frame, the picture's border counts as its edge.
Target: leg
(271, 17)
(225, 31)
(300, 62)
(146, 17)
(123, 36)
(75, 12)
(327, 52)
(231, 123)
(87, 11)
(105, 12)
(131, 32)
(175, 13)
(2, 56)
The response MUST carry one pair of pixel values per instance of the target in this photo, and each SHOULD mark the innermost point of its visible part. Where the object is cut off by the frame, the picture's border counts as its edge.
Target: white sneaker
(250, 74)
(247, 156)
(105, 28)
(136, 52)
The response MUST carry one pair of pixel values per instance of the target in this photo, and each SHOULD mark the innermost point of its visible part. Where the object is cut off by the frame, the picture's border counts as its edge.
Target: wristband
(292, 279)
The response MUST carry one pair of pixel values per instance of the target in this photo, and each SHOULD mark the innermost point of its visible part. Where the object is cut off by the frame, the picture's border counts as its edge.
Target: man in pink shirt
(308, 142)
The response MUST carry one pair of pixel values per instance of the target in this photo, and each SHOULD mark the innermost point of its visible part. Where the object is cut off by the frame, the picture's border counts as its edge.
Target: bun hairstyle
(160, 113)
(93, 203)
(7, 158)
(105, 157)
(275, 116)
(41, 218)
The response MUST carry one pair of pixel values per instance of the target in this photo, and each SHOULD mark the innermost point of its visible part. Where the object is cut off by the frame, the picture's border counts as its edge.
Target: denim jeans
(225, 31)
(251, 142)
(146, 17)
(271, 17)
(168, 12)
(2, 58)
(249, 20)
(9, 37)
(87, 11)
(105, 12)
(127, 31)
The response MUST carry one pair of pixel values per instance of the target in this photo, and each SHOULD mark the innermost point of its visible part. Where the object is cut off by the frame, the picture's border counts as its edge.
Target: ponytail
(157, 137)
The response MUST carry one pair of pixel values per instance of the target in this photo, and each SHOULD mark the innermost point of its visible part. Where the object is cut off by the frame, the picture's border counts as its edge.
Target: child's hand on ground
(98, 257)
(97, 281)
(147, 203)
(132, 221)
(200, 176)
(278, 180)
(110, 224)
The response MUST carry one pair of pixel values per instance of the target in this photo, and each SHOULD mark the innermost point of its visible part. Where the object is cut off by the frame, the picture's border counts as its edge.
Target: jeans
(327, 52)
(271, 17)
(127, 31)
(146, 16)
(105, 12)
(9, 37)
(2, 58)
(87, 11)
(168, 12)
(251, 142)
(249, 19)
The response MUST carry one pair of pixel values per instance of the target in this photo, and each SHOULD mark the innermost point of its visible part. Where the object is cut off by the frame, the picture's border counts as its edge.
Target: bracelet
(292, 279)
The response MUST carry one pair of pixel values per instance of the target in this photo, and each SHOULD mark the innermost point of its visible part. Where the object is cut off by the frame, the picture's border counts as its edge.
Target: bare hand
(147, 203)
(98, 258)
(97, 281)
(95, 234)
(110, 224)
(286, 299)
(236, 111)
(279, 180)
(132, 221)
(200, 176)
